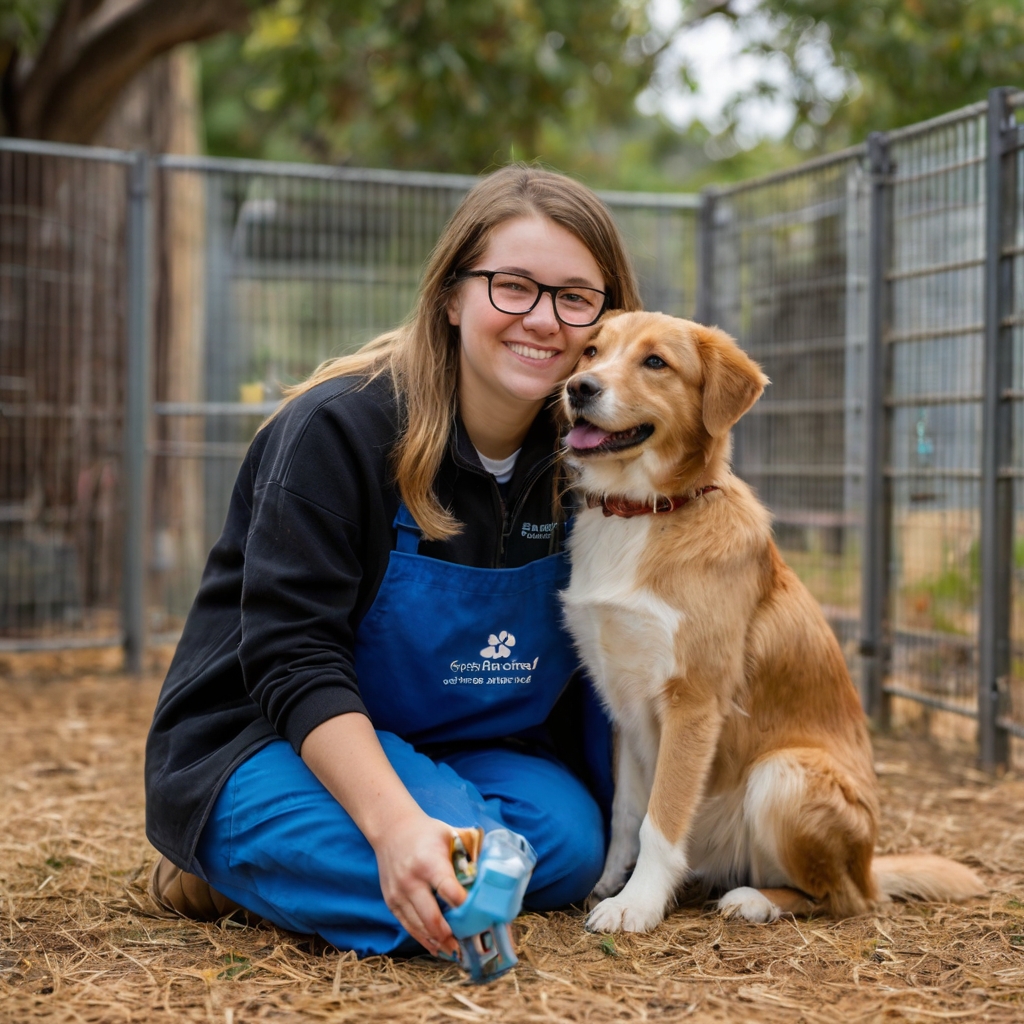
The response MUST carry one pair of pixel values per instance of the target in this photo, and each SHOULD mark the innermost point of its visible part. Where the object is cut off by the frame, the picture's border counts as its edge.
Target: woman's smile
(531, 351)
(509, 363)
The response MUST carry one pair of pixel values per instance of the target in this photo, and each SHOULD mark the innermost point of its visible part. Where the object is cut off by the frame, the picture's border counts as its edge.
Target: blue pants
(280, 845)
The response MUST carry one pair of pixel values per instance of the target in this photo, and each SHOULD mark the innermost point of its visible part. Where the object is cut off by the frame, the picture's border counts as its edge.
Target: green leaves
(23, 22)
(237, 966)
(423, 84)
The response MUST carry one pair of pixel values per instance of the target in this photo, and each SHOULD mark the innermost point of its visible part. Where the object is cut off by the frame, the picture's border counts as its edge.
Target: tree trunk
(159, 112)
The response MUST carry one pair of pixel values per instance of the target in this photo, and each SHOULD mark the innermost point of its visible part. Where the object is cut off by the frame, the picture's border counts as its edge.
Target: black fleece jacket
(266, 651)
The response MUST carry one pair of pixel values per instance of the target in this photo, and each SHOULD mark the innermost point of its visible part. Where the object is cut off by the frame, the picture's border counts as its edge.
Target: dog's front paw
(748, 904)
(610, 883)
(622, 915)
(606, 886)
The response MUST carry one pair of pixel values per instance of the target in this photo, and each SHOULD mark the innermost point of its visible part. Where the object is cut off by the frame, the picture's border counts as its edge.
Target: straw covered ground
(80, 941)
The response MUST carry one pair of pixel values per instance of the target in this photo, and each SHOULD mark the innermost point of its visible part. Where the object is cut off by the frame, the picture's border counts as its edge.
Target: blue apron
(447, 654)
(451, 652)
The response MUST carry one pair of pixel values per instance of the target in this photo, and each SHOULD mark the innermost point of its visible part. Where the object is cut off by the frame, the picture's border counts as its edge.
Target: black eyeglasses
(517, 295)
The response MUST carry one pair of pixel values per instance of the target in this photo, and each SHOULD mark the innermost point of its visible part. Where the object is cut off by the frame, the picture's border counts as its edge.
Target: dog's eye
(655, 362)
(590, 351)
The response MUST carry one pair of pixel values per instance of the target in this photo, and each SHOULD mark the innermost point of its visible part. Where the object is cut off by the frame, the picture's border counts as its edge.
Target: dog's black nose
(581, 390)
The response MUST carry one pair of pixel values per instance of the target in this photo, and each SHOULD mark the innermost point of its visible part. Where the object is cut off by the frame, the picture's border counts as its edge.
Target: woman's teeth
(529, 352)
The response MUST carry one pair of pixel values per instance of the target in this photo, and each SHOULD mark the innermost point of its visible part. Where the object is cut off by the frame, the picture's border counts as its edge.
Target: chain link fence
(1003, 526)
(882, 290)
(250, 274)
(63, 343)
(933, 336)
(273, 269)
(787, 275)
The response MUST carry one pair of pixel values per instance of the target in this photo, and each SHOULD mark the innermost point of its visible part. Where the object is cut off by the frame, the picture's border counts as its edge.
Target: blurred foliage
(447, 85)
(463, 85)
(903, 60)
(24, 22)
(23, 25)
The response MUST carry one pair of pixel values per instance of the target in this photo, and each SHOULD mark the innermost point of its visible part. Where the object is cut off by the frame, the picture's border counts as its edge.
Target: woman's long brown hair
(422, 356)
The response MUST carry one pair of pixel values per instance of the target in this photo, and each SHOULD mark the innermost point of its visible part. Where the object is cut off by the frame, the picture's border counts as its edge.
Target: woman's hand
(413, 850)
(414, 862)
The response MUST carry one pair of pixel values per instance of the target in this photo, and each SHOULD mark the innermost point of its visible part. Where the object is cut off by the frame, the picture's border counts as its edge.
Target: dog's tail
(925, 876)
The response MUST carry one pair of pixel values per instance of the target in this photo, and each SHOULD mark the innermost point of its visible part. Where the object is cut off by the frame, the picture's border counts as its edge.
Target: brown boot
(179, 892)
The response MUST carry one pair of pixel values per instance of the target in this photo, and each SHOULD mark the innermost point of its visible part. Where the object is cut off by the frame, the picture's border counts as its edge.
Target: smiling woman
(509, 363)
(306, 762)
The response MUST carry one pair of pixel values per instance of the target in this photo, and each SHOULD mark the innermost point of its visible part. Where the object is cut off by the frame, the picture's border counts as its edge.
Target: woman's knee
(543, 801)
(569, 867)
(570, 856)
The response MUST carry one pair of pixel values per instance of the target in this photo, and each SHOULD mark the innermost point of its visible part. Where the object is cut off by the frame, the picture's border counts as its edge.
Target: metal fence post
(997, 428)
(874, 644)
(138, 404)
(705, 313)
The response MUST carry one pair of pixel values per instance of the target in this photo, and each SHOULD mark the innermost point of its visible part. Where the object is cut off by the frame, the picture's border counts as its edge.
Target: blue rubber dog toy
(496, 872)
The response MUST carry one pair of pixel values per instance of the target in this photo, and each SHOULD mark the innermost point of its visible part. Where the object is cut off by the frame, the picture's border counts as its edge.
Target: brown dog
(743, 754)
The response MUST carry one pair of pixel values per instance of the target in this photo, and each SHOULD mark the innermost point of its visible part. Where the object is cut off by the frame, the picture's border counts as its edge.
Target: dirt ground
(80, 940)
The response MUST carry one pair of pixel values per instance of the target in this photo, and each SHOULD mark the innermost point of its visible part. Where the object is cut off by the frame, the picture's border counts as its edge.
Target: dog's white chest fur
(624, 633)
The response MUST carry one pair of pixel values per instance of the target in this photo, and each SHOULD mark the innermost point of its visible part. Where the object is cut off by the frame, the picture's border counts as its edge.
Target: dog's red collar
(627, 507)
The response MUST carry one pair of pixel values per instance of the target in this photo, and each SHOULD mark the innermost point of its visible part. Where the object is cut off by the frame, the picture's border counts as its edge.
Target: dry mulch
(80, 940)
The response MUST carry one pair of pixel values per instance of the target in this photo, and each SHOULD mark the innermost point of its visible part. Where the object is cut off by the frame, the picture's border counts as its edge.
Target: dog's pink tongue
(586, 436)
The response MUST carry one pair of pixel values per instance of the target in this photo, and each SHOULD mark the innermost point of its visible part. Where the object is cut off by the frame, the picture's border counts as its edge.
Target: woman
(375, 654)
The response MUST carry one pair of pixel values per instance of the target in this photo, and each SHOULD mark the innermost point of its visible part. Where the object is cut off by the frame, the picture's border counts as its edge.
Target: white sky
(713, 51)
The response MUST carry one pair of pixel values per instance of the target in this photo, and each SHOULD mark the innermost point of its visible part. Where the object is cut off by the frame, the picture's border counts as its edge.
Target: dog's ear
(733, 382)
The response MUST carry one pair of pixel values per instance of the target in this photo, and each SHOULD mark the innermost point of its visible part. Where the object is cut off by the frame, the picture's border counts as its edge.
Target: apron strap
(409, 533)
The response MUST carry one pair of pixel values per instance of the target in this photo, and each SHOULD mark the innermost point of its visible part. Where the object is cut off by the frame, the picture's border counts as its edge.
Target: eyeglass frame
(542, 289)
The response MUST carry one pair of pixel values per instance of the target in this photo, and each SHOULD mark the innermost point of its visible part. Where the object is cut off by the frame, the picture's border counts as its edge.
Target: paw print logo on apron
(500, 645)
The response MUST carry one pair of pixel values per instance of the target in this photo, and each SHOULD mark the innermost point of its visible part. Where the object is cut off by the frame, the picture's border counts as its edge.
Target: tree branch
(82, 95)
(8, 96)
(31, 92)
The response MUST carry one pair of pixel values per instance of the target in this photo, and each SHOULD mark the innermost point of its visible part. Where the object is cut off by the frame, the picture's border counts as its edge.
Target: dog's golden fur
(743, 753)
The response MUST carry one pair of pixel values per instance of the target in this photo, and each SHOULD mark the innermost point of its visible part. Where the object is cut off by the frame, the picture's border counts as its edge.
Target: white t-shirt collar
(500, 469)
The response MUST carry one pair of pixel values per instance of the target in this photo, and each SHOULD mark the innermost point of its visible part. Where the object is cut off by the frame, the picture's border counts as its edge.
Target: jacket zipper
(499, 554)
(507, 517)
